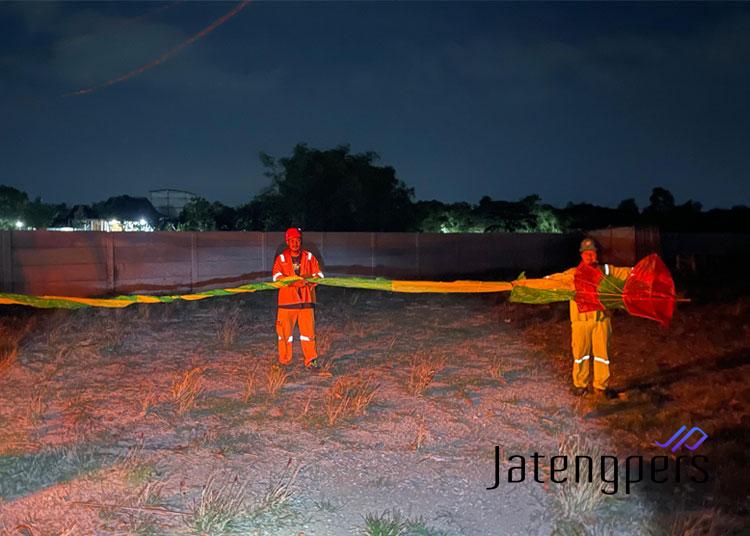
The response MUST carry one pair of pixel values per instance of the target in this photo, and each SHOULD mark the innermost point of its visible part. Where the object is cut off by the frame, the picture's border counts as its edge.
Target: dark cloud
(593, 102)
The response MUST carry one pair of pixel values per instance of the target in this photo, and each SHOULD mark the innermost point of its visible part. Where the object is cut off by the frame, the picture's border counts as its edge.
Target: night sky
(592, 102)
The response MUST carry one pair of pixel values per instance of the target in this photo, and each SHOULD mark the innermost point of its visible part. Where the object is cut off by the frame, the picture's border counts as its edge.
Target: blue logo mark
(682, 441)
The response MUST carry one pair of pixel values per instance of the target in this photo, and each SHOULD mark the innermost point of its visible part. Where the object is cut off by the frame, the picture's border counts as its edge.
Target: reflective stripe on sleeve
(282, 258)
(309, 256)
(277, 275)
(606, 269)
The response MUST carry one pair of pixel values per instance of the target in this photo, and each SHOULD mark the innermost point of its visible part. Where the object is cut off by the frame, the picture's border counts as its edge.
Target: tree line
(337, 190)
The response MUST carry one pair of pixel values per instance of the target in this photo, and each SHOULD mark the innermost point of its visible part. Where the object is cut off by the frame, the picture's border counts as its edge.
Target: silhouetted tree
(628, 207)
(12, 205)
(526, 215)
(125, 207)
(16, 207)
(198, 215)
(40, 215)
(437, 217)
(661, 200)
(334, 190)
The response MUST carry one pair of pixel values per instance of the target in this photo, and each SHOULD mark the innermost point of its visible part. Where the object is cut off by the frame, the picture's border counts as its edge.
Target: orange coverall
(590, 334)
(296, 304)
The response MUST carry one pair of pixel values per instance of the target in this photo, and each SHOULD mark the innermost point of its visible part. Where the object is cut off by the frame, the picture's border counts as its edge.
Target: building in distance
(169, 202)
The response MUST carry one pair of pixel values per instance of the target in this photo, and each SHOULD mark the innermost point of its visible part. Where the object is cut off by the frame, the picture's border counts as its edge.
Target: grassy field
(175, 419)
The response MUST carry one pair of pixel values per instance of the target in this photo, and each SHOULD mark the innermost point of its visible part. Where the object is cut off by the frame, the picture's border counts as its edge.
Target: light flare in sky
(165, 56)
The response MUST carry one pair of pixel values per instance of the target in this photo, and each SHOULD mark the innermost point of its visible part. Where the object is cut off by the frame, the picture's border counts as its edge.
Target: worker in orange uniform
(296, 302)
(591, 330)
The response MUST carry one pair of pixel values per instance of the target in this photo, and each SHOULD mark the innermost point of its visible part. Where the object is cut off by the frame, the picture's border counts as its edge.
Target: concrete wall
(94, 263)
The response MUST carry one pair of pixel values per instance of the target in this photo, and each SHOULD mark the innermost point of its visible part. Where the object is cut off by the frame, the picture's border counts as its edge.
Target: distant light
(113, 222)
(142, 221)
(19, 224)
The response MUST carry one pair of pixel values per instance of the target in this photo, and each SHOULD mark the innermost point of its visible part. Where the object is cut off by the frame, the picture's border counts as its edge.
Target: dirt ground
(173, 419)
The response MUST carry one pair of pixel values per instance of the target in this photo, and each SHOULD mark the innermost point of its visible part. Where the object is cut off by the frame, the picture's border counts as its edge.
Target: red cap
(292, 232)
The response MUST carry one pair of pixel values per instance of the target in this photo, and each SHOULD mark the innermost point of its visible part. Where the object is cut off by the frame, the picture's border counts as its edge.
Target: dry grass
(275, 379)
(395, 523)
(186, 388)
(326, 366)
(363, 393)
(306, 407)
(219, 509)
(8, 354)
(356, 328)
(55, 328)
(147, 404)
(309, 402)
(280, 488)
(422, 372)
(112, 331)
(79, 413)
(11, 335)
(136, 470)
(140, 520)
(144, 311)
(496, 367)
(349, 395)
(28, 528)
(133, 454)
(225, 509)
(335, 405)
(249, 385)
(37, 408)
(709, 522)
(228, 326)
(422, 435)
(581, 498)
(324, 341)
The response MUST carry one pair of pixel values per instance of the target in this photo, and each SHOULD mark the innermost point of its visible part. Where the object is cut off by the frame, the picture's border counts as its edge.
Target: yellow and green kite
(648, 292)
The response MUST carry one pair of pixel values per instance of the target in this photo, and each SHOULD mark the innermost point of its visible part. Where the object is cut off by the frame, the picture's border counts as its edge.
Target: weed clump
(422, 372)
(186, 388)
(349, 395)
(275, 379)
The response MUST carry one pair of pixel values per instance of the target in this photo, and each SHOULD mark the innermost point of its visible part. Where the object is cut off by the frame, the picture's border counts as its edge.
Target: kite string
(165, 56)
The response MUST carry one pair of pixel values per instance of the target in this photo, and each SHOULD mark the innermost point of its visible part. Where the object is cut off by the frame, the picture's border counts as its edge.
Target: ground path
(94, 441)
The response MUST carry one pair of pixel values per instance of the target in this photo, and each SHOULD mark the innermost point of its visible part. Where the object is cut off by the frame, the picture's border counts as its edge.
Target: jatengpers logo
(682, 441)
(566, 469)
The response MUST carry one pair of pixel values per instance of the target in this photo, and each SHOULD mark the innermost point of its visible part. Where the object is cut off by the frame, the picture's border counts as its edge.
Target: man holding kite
(591, 325)
(296, 301)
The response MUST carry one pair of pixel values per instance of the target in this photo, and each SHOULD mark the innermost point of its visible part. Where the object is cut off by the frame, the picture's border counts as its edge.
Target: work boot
(608, 394)
(578, 391)
(314, 365)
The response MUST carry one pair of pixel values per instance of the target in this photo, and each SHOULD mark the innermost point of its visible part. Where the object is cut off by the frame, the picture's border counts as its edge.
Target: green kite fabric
(607, 292)
(71, 302)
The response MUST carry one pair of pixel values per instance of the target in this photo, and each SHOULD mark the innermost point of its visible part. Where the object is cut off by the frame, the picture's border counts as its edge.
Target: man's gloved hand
(298, 282)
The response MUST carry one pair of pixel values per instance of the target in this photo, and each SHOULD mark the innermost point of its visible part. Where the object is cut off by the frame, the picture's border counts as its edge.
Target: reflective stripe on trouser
(285, 321)
(590, 340)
